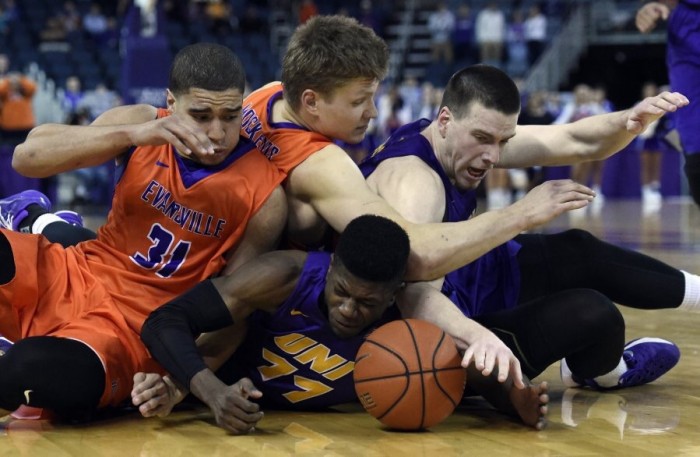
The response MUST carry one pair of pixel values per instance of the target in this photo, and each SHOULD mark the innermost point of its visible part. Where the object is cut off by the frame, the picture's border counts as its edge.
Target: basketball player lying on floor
(306, 315)
(330, 73)
(548, 297)
(75, 314)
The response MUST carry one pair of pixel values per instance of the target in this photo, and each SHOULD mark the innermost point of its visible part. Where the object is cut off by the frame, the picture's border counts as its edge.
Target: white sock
(691, 299)
(566, 375)
(612, 378)
(45, 219)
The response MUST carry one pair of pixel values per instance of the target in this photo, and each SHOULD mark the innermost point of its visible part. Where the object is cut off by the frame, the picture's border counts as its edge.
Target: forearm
(54, 148)
(217, 347)
(437, 249)
(169, 332)
(423, 301)
(599, 137)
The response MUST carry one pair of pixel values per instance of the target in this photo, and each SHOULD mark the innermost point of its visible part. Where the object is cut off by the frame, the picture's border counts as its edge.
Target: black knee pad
(59, 374)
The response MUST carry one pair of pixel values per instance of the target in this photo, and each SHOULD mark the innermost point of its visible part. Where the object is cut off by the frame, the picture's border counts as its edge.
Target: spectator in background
(431, 97)
(412, 96)
(517, 48)
(220, 19)
(587, 102)
(392, 112)
(72, 96)
(371, 17)
(535, 33)
(99, 100)
(490, 34)
(144, 19)
(463, 36)
(71, 19)
(307, 10)
(96, 25)
(441, 25)
(536, 110)
(16, 112)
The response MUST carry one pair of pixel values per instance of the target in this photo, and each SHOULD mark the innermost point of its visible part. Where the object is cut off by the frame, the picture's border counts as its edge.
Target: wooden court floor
(662, 418)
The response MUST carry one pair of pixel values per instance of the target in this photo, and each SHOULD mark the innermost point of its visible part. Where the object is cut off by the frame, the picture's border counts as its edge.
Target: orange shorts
(54, 293)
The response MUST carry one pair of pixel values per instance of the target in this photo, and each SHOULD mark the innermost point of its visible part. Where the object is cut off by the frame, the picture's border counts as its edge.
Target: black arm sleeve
(169, 332)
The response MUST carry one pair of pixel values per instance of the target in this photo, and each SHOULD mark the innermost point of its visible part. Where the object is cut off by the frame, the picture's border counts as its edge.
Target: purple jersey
(683, 61)
(293, 356)
(490, 283)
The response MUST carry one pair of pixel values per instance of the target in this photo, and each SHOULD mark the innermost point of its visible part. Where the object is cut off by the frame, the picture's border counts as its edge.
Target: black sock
(34, 211)
(67, 234)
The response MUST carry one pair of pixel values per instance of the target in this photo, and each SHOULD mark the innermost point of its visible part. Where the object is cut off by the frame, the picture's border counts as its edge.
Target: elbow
(422, 267)
(24, 160)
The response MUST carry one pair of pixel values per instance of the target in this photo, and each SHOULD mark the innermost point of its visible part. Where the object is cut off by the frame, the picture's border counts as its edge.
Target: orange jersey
(171, 224)
(286, 144)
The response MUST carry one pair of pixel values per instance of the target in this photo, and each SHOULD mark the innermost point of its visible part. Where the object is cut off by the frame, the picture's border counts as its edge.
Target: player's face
(345, 115)
(473, 144)
(218, 115)
(354, 303)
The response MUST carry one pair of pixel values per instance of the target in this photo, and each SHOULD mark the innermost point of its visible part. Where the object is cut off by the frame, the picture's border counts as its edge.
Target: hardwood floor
(661, 418)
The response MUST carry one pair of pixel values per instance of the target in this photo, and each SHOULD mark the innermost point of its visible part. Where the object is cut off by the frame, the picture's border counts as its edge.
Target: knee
(579, 238)
(598, 314)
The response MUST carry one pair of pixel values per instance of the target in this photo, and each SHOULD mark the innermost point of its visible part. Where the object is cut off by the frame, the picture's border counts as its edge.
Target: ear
(170, 101)
(443, 120)
(309, 101)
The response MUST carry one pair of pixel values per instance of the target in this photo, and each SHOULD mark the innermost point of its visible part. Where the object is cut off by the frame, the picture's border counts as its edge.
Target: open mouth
(476, 173)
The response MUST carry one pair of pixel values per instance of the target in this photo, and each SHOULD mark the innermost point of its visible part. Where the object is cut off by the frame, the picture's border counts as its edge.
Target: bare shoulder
(330, 164)
(410, 170)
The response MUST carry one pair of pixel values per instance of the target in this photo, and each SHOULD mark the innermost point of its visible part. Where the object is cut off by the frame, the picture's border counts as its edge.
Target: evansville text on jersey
(191, 220)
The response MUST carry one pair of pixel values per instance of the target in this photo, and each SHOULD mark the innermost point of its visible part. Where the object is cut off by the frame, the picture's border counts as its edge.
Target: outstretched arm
(591, 138)
(334, 186)
(481, 346)
(54, 148)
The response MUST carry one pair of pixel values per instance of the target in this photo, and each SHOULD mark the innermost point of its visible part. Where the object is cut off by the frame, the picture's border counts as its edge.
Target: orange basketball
(408, 374)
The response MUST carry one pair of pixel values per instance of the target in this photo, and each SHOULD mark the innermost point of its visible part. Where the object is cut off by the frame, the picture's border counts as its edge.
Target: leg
(580, 324)
(576, 259)
(60, 374)
(30, 212)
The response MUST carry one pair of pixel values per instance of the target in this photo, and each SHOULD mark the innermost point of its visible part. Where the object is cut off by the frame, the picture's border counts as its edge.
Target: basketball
(408, 374)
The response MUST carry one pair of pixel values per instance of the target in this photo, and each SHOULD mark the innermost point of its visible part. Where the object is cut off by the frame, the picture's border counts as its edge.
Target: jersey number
(161, 249)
